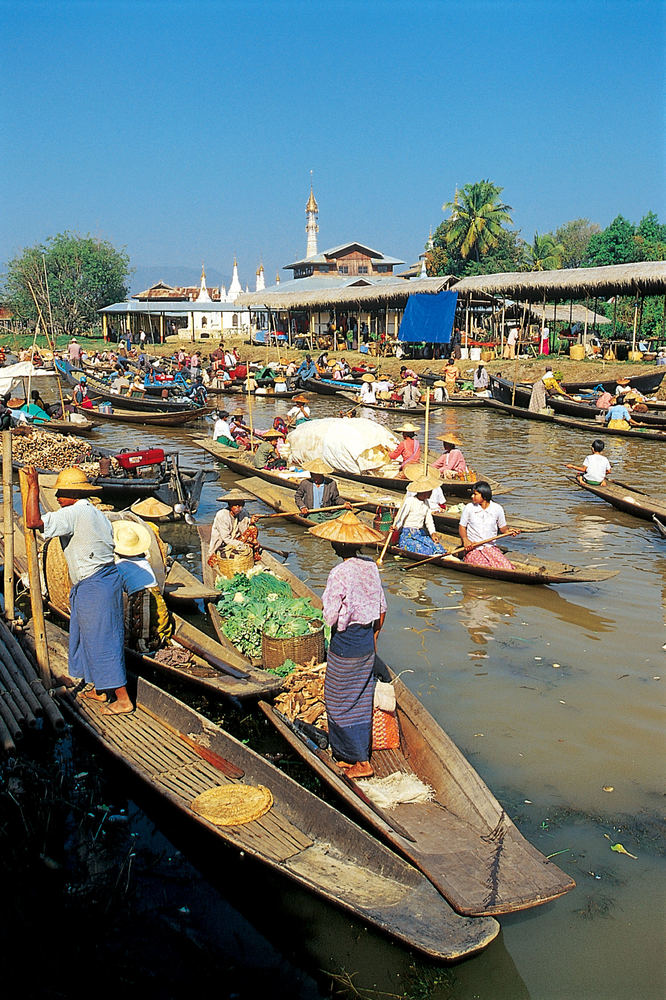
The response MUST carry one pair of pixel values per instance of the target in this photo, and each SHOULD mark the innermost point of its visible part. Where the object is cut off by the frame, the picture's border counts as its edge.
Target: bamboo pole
(24, 664)
(633, 339)
(51, 341)
(34, 576)
(8, 523)
(427, 428)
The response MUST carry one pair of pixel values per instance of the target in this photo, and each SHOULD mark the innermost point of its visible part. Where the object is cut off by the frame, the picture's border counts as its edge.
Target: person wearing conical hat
(409, 449)
(367, 391)
(355, 609)
(148, 622)
(267, 455)
(300, 411)
(317, 491)
(451, 463)
(231, 525)
(96, 632)
(440, 392)
(414, 519)
(411, 394)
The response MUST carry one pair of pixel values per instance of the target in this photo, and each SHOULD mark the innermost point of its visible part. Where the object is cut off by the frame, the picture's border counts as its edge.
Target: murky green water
(553, 693)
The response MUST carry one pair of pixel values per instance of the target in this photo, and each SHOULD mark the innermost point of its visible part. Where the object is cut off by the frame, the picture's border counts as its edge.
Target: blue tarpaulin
(428, 318)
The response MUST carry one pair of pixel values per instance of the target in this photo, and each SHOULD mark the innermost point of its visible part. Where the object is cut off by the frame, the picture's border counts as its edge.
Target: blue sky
(186, 132)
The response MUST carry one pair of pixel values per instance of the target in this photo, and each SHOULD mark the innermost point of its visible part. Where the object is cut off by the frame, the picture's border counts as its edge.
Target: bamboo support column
(426, 432)
(8, 510)
(633, 339)
(41, 649)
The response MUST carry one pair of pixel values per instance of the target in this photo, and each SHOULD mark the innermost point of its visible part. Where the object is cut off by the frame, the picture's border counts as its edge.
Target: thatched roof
(392, 293)
(645, 278)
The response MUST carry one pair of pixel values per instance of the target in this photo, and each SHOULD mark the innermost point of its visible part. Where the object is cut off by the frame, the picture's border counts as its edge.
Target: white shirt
(597, 467)
(368, 392)
(299, 411)
(436, 500)
(221, 428)
(480, 523)
(414, 513)
(226, 528)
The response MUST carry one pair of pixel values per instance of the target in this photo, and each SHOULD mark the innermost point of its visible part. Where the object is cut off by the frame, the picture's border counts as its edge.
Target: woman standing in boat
(409, 449)
(354, 608)
(482, 519)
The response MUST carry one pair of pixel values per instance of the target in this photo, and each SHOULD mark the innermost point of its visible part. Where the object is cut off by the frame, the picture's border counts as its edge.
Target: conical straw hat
(347, 530)
(318, 466)
(131, 538)
(151, 507)
(450, 438)
(368, 377)
(408, 428)
(236, 496)
(426, 484)
(415, 470)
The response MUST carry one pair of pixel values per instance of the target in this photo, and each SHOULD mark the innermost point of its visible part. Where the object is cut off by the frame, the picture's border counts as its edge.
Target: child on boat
(595, 467)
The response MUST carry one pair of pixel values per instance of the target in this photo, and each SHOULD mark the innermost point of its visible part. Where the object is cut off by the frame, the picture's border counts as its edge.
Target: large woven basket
(301, 649)
(228, 566)
(56, 575)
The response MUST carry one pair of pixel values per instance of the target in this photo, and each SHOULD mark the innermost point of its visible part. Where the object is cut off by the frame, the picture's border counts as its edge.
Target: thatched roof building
(393, 293)
(644, 278)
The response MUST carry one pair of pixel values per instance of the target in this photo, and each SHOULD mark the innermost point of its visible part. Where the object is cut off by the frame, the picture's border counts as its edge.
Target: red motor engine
(130, 460)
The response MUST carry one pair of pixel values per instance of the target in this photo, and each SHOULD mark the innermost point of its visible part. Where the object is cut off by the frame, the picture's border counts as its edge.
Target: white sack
(11, 376)
(345, 443)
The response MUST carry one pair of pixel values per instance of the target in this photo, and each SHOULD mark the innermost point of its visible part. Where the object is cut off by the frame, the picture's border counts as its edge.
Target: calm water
(552, 693)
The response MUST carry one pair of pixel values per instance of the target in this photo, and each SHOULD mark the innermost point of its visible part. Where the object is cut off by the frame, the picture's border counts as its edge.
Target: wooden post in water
(8, 510)
(36, 604)
(427, 427)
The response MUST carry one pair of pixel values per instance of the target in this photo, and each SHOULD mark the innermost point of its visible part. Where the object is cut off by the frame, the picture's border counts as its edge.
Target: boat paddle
(315, 510)
(276, 552)
(339, 773)
(453, 552)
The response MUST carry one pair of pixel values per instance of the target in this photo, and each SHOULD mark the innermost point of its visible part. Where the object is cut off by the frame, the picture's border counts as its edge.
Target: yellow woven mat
(232, 805)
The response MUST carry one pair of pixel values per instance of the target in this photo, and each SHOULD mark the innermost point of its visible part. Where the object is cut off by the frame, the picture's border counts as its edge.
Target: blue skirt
(418, 540)
(349, 688)
(96, 631)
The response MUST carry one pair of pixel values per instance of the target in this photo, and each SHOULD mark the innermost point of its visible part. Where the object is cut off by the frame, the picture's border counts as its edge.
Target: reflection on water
(552, 692)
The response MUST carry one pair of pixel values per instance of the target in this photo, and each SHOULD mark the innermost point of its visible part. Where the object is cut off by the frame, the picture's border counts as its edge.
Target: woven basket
(56, 575)
(301, 649)
(228, 566)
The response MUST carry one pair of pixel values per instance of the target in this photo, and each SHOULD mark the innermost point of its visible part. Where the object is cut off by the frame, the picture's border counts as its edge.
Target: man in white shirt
(595, 467)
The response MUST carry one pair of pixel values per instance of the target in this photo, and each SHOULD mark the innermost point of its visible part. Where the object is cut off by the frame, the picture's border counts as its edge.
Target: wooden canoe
(281, 498)
(64, 426)
(660, 526)
(503, 390)
(463, 840)
(178, 754)
(589, 426)
(465, 401)
(151, 404)
(528, 569)
(627, 498)
(298, 588)
(174, 418)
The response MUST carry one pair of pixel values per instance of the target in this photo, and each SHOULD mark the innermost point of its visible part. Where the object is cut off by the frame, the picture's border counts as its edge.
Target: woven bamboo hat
(450, 439)
(368, 377)
(347, 530)
(74, 480)
(273, 433)
(440, 383)
(319, 467)
(301, 398)
(414, 471)
(232, 805)
(151, 507)
(408, 428)
(426, 484)
(131, 538)
(236, 496)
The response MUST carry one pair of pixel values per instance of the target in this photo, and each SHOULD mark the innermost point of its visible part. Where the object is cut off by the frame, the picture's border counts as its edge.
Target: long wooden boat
(462, 839)
(379, 492)
(528, 569)
(80, 429)
(281, 498)
(99, 390)
(589, 426)
(646, 383)
(503, 390)
(240, 390)
(627, 498)
(466, 401)
(298, 588)
(328, 386)
(174, 418)
(178, 754)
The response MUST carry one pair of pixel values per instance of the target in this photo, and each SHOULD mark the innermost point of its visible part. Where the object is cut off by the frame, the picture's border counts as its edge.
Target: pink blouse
(353, 594)
(451, 461)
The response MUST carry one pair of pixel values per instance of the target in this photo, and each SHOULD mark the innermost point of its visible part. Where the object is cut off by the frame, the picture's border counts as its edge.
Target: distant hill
(145, 276)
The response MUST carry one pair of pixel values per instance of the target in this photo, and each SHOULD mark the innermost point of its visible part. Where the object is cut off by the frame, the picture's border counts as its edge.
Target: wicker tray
(301, 649)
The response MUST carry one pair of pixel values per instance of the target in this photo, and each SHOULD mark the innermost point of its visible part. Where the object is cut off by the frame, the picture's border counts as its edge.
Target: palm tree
(545, 254)
(477, 218)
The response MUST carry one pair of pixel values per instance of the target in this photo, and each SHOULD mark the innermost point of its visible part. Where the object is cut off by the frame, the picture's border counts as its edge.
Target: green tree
(575, 237)
(477, 219)
(83, 274)
(545, 253)
(614, 245)
(650, 238)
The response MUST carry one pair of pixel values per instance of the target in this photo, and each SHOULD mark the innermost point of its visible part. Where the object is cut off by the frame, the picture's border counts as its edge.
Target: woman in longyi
(355, 608)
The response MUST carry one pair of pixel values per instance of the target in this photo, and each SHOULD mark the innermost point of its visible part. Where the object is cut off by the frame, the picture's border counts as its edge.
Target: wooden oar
(461, 548)
(315, 510)
(276, 552)
(211, 658)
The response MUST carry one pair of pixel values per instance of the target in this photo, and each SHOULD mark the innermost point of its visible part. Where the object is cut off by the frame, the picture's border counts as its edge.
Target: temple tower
(235, 286)
(261, 283)
(311, 227)
(203, 295)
